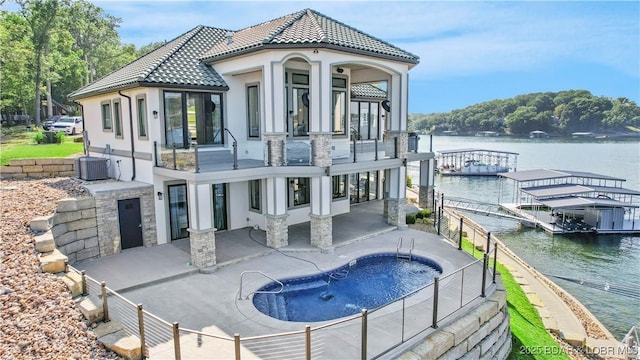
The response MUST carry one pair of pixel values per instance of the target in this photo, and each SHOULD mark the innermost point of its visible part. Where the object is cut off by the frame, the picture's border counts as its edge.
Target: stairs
(111, 334)
(277, 306)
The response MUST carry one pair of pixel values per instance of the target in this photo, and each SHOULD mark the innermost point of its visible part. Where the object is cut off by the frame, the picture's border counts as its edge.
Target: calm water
(613, 259)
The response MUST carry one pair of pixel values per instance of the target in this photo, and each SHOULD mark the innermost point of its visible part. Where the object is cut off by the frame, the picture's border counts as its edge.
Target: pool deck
(162, 279)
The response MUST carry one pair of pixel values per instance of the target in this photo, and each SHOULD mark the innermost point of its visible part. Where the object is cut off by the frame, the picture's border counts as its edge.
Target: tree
(145, 49)
(624, 112)
(17, 50)
(523, 120)
(41, 16)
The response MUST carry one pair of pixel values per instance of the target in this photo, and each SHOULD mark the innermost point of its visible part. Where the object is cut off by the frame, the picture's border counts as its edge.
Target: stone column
(425, 195)
(402, 143)
(321, 149)
(203, 247)
(277, 231)
(321, 231)
(274, 144)
(395, 202)
(396, 212)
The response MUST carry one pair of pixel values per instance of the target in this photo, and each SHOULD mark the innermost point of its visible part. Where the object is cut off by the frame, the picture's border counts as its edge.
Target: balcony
(207, 158)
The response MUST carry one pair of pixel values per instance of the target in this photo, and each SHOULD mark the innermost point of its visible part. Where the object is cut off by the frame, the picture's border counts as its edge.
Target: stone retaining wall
(75, 229)
(38, 168)
(483, 333)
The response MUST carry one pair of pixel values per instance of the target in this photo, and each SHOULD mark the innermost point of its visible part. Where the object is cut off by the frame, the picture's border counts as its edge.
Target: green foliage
(38, 137)
(425, 213)
(410, 218)
(409, 181)
(556, 113)
(60, 137)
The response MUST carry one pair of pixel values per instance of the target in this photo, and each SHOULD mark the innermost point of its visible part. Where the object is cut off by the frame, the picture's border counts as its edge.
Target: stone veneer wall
(483, 333)
(38, 168)
(74, 229)
(107, 217)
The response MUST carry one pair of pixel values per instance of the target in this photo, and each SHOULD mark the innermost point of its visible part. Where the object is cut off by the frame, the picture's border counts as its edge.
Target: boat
(475, 162)
(487, 133)
(538, 134)
(583, 134)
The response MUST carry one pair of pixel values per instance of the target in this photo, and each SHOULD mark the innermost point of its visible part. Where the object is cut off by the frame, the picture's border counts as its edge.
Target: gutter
(133, 148)
(85, 138)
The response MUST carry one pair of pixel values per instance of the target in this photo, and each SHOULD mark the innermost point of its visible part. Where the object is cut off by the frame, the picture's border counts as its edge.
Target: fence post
(363, 354)
(376, 148)
(175, 164)
(269, 152)
(236, 342)
(141, 328)
(235, 155)
(307, 342)
(176, 341)
(84, 282)
(436, 286)
(488, 242)
(155, 152)
(460, 235)
(195, 155)
(483, 292)
(495, 261)
(355, 150)
(105, 306)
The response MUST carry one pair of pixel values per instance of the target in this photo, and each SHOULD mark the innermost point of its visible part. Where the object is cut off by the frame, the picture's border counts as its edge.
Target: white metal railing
(259, 291)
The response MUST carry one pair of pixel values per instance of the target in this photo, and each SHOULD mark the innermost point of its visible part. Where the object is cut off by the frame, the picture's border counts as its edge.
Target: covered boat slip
(475, 162)
(574, 202)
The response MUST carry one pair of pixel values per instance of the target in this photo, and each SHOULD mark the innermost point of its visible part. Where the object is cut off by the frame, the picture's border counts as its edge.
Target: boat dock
(475, 162)
(573, 202)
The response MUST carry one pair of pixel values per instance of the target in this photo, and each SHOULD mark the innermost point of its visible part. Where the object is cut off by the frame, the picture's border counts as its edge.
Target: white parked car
(69, 124)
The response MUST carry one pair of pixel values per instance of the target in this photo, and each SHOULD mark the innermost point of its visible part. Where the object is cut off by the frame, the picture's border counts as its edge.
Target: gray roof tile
(175, 63)
(307, 27)
(367, 91)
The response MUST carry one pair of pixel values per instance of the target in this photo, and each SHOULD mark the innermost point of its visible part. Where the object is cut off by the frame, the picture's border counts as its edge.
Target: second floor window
(106, 116)
(253, 111)
(339, 103)
(193, 117)
(141, 108)
(297, 85)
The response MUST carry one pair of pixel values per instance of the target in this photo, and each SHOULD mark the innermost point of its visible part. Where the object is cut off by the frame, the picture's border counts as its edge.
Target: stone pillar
(277, 231)
(396, 213)
(425, 195)
(274, 144)
(321, 149)
(321, 231)
(402, 143)
(203, 247)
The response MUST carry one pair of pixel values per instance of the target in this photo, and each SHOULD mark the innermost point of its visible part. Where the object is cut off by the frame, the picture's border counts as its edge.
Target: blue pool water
(366, 283)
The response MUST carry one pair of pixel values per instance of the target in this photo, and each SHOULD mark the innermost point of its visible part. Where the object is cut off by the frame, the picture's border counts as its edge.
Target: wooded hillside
(558, 113)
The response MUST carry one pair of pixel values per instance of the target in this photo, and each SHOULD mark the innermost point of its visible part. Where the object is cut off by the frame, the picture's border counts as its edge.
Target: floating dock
(573, 202)
(475, 162)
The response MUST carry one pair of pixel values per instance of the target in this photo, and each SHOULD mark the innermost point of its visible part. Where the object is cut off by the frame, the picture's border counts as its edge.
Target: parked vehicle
(52, 120)
(69, 124)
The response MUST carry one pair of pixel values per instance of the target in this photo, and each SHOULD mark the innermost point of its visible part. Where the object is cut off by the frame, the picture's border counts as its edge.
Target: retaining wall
(38, 168)
(483, 333)
(75, 229)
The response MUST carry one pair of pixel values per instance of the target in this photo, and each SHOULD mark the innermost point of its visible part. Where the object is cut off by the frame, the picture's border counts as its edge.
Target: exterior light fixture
(159, 195)
(155, 114)
(340, 70)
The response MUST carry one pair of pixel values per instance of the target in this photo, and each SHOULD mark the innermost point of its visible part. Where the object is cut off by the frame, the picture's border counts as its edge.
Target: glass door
(220, 206)
(178, 211)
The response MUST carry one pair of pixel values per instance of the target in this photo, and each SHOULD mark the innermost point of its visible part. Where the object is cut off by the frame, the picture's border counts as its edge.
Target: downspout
(85, 138)
(133, 148)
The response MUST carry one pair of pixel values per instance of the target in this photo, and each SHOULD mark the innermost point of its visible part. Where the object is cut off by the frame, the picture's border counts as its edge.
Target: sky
(469, 51)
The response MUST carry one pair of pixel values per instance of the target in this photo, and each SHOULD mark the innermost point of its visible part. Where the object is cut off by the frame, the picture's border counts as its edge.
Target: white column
(275, 112)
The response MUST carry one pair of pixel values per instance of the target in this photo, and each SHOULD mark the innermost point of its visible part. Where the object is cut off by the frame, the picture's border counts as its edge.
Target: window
(299, 192)
(117, 118)
(365, 119)
(254, 195)
(339, 102)
(297, 89)
(253, 111)
(193, 117)
(339, 186)
(141, 108)
(106, 116)
(364, 186)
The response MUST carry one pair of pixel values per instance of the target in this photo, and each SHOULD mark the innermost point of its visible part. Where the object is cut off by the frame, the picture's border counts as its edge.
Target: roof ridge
(189, 35)
(363, 33)
(296, 17)
(323, 34)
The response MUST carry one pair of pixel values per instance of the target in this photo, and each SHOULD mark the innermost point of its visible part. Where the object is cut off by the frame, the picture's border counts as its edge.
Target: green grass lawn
(19, 144)
(530, 339)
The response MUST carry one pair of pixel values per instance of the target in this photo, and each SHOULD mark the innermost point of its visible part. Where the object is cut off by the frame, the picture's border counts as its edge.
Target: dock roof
(456, 151)
(580, 202)
(544, 174)
(569, 189)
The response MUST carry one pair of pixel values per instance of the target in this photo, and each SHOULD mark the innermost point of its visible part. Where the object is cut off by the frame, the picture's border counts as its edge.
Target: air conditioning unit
(91, 168)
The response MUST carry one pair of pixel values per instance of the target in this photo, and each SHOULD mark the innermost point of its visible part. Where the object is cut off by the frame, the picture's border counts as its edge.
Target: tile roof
(175, 63)
(180, 61)
(367, 91)
(306, 28)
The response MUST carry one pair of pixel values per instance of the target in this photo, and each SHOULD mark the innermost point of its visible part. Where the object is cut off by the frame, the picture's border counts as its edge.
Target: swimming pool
(364, 283)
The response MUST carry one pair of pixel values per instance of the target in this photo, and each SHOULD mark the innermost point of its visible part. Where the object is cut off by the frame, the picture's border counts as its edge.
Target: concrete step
(73, 280)
(114, 337)
(45, 242)
(53, 262)
(41, 223)
(91, 308)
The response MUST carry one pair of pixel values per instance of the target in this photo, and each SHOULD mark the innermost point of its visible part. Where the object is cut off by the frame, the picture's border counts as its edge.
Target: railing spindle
(176, 341)
(436, 289)
(105, 305)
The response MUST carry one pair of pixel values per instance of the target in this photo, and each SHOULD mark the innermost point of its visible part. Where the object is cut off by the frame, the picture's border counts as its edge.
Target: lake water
(612, 259)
